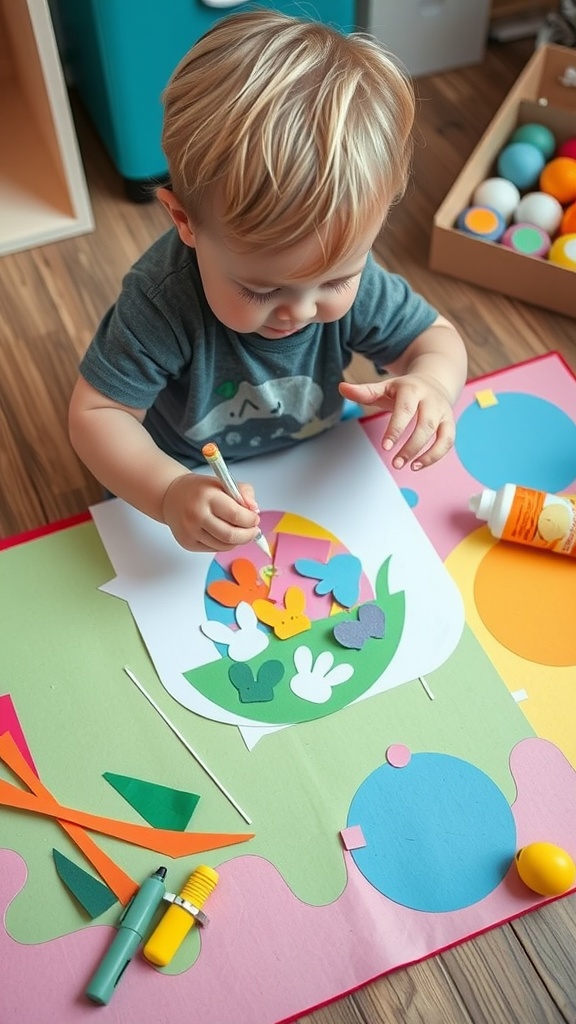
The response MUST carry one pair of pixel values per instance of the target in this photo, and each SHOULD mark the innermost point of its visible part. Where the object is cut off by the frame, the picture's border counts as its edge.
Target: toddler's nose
(298, 309)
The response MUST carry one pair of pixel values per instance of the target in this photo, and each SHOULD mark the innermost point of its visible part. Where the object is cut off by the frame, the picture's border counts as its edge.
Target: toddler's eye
(250, 296)
(338, 286)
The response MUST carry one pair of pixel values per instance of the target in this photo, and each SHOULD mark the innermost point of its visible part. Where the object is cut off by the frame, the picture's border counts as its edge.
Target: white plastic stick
(184, 741)
(426, 687)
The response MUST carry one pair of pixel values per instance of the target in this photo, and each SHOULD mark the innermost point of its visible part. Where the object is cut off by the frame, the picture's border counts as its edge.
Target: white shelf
(43, 194)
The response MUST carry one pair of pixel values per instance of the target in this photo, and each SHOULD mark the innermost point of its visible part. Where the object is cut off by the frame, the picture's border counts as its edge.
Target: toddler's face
(270, 293)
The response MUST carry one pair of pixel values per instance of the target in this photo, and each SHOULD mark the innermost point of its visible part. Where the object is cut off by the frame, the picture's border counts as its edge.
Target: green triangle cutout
(160, 806)
(94, 896)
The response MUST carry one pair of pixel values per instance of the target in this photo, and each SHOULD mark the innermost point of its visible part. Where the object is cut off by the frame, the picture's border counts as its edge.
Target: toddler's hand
(203, 517)
(420, 409)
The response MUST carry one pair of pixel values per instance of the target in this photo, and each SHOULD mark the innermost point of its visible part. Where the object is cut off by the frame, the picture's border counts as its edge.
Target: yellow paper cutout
(288, 621)
(485, 398)
(302, 527)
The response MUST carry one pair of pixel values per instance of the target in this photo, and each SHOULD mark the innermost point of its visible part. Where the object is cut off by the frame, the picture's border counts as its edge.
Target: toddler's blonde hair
(287, 128)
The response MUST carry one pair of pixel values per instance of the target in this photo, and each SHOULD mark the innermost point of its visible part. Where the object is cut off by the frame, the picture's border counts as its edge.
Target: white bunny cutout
(243, 643)
(314, 680)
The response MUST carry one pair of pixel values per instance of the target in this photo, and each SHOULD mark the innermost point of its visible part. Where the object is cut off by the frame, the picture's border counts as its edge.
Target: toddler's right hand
(203, 517)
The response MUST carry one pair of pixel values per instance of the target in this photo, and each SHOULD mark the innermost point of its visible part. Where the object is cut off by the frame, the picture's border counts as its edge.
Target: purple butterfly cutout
(370, 623)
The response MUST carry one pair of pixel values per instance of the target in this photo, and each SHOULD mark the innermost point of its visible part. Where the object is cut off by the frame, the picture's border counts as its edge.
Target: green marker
(132, 928)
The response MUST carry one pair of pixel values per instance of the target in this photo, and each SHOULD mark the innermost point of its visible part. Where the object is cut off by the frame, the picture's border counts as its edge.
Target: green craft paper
(160, 806)
(95, 897)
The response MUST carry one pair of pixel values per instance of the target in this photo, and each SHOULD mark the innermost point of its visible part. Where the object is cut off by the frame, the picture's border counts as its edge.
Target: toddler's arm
(427, 379)
(118, 450)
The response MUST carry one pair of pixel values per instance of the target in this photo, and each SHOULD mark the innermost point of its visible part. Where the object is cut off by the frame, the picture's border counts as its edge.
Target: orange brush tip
(210, 450)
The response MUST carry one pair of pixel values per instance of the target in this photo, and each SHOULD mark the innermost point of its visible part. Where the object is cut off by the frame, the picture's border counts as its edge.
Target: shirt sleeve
(386, 316)
(140, 344)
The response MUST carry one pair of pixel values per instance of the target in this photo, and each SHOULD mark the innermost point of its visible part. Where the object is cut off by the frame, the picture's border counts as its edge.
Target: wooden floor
(50, 302)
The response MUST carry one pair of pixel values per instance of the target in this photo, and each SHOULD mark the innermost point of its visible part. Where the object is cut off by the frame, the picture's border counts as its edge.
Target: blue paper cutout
(410, 496)
(440, 834)
(510, 442)
(340, 576)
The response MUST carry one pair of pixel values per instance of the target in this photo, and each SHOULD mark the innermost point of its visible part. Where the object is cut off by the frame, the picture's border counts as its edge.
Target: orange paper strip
(116, 879)
(162, 840)
(123, 887)
(171, 843)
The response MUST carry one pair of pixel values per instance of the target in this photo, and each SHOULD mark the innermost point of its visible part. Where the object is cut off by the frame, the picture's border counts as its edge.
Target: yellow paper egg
(546, 868)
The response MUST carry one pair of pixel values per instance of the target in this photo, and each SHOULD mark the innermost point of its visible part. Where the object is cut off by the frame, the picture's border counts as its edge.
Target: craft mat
(294, 923)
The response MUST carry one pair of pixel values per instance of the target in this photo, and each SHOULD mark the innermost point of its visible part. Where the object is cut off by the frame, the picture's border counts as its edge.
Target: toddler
(287, 142)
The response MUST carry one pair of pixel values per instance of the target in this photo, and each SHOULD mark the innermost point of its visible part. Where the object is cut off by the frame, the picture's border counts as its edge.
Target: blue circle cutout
(410, 496)
(440, 834)
(522, 440)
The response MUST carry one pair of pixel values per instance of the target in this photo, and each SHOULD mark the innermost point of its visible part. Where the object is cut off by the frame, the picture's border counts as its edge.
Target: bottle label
(542, 520)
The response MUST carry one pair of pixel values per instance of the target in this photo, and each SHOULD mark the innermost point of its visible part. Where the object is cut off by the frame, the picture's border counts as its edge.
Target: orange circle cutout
(526, 599)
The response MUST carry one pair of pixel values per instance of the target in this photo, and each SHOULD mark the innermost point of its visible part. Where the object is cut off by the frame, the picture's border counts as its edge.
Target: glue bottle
(527, 516)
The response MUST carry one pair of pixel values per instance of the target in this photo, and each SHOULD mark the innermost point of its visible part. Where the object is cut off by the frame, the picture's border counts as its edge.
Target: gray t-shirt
(161, 348)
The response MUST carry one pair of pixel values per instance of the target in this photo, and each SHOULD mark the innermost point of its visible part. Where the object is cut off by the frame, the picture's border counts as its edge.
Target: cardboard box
(540, 94)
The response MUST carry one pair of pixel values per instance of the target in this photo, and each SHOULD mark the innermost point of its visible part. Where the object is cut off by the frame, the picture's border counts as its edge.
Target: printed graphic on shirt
(288, 407)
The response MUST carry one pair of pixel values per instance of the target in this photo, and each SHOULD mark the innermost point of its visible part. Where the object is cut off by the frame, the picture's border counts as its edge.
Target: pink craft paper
(288, 549)
(446, 485)
(398, 755)
(9, 722)
(272, 975)
(353, 837)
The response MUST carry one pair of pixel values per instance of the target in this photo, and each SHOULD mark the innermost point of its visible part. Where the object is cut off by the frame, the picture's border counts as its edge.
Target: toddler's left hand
(420, 409)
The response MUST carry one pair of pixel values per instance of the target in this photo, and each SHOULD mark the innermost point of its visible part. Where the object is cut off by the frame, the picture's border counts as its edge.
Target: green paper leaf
(160, 806)
(92, 894)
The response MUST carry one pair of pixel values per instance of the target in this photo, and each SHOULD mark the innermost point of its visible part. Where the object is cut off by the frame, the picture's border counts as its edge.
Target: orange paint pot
(558, 178)
(568, 222)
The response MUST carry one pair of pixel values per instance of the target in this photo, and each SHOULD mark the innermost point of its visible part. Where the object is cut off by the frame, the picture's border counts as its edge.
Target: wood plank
(548, 938)
(497, 983)
(421, 994)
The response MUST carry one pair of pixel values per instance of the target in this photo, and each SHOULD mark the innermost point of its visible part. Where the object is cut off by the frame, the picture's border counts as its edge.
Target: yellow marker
(184, 912)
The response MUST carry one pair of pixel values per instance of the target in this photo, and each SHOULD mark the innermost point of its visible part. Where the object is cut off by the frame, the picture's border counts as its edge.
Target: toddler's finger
(442, 444)
(247, 492)
(403, 413)
(422, 433)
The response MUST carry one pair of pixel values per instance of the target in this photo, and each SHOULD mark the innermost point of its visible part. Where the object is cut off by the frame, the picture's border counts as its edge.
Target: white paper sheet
(338, 481)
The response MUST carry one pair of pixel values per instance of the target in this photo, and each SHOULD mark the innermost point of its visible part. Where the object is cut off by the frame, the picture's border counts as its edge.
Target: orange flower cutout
(248, 585)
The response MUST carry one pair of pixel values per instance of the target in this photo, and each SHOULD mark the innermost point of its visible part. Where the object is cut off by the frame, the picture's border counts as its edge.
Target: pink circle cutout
(398, 755)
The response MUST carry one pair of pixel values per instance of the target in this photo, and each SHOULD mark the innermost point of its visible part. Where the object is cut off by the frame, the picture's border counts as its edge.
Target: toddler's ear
(178, 215)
